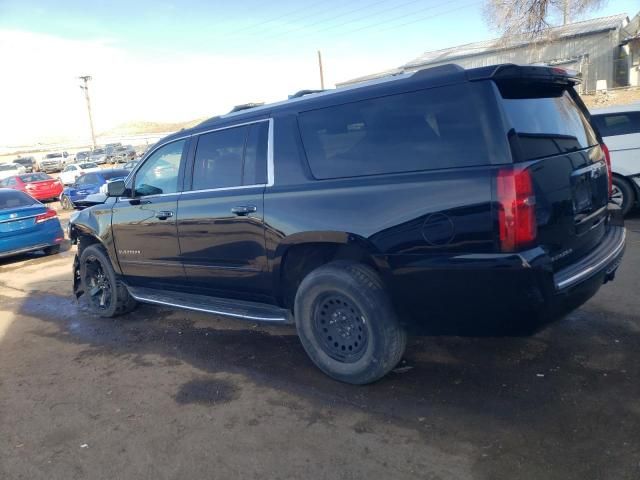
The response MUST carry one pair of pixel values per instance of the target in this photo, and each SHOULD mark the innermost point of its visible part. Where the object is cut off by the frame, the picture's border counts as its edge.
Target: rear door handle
(163, 215)
(244, 210)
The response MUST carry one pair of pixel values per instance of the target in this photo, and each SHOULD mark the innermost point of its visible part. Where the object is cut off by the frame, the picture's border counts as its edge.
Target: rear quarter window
(423, 130)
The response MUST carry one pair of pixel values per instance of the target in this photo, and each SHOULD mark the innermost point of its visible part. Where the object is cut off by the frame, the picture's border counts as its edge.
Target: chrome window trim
(270, 165)
(222, 189)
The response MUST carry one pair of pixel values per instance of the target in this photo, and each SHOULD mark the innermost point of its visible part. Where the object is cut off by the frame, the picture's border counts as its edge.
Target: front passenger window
(159, 173)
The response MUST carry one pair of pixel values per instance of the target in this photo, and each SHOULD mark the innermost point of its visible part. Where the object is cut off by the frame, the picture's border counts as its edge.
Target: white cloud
(40, 96)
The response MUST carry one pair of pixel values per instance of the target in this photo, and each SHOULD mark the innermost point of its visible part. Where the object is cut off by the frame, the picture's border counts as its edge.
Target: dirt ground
(623, 96)
(163, 394)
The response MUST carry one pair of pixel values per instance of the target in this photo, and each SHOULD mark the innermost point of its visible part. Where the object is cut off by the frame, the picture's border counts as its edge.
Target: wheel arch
(299, 254)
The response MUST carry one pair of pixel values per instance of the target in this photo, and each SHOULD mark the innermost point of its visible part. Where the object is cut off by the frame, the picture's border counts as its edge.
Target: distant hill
(132, 128)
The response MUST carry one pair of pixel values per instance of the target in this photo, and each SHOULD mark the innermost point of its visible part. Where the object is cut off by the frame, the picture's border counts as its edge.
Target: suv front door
(220, 217)
(144, 225)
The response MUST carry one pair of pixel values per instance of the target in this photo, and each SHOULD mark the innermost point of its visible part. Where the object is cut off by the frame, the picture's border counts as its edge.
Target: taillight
(516, 209)
(607, 159)
(48, 215)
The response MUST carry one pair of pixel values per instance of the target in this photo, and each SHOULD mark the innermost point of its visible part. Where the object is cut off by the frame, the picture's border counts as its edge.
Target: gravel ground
(170, 394)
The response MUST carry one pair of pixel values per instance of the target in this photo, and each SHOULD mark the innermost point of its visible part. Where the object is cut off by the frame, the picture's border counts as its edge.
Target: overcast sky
(164, 61)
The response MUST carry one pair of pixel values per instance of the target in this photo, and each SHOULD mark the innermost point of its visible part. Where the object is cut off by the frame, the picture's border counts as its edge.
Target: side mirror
(116, 188)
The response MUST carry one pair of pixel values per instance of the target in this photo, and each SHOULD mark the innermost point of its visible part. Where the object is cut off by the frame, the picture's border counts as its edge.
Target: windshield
(99, 151)
(85, 166)
(7, 167)
(53, 155)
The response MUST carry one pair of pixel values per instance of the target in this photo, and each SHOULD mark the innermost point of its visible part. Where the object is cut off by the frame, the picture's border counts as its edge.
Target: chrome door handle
(244, 210)
(163, 215)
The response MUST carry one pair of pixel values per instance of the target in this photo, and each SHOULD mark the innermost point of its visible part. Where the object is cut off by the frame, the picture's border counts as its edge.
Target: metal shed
(592, 47)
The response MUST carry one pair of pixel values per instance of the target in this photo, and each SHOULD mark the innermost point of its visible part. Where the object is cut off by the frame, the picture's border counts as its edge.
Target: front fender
(95, 223)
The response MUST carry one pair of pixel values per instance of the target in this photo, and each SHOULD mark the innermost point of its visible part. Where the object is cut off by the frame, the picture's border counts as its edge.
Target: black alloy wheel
(340, 328)
(100, 290)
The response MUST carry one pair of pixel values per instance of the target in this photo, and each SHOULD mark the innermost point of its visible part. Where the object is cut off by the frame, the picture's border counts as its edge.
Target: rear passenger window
(424, 130)
(231, 157)
(612, 124)
(218, 161)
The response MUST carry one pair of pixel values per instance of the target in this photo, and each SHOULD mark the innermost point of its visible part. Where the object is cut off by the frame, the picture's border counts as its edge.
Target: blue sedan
(89, 184)
(27, 225)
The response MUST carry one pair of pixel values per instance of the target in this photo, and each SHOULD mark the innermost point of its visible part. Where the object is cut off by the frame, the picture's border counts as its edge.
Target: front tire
(622, 194)
(346, 323)
(107, 295)
(52, 250)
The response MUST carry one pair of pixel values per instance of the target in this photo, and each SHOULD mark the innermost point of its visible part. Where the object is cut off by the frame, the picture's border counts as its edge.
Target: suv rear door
(144, 225)
(220, 214)
(550, 134)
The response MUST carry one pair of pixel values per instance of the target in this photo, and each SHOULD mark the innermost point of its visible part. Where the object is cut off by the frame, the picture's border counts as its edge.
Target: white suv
(620, 130)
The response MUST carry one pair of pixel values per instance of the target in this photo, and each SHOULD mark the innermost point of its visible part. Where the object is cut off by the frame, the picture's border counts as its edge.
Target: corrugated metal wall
(594, 53)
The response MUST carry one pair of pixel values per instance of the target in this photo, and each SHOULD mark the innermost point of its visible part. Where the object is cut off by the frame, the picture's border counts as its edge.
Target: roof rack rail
(246, 106)
(302, 93)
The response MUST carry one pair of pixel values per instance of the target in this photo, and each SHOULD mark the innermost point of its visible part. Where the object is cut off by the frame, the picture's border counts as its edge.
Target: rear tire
(52, 250)
(346, 323)
(623, 194)
(66, 203)
(107, 295)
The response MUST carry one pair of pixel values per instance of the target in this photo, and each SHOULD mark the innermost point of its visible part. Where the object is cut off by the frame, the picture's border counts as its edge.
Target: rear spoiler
(526, 73)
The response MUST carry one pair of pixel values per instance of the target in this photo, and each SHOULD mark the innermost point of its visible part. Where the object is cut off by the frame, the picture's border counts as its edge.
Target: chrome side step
(257, 312)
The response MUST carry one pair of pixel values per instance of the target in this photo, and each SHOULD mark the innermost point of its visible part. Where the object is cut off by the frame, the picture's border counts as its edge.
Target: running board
(257, 312)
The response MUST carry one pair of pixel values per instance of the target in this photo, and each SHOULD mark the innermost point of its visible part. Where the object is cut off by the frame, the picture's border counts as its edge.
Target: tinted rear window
(548, 124)
(612, 124)
(34, 177)
(15, 199)
(423, 130)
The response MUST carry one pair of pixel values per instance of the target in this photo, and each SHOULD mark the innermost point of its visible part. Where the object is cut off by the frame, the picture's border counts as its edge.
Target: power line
(472, 4)
(413, 13)
(306, 7)
(280, 34)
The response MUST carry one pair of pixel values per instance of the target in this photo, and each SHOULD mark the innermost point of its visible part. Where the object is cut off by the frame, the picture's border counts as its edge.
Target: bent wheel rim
(99, 286)
(340, 328)
(617, 197)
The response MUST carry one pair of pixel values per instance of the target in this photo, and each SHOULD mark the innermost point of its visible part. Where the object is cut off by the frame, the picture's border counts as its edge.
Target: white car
(620, 131)
(71, 172)
(10, 169)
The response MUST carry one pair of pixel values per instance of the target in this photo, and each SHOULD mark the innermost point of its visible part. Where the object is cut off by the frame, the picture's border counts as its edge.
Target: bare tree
(532, 17)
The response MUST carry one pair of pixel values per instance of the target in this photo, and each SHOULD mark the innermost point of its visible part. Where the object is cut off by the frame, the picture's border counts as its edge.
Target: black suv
(446, 198)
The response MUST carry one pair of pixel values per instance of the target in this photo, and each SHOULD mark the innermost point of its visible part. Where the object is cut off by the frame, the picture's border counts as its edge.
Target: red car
(39, 185)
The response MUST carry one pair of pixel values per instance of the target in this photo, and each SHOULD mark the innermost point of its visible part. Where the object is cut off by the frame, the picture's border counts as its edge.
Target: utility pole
(85, 87)
(565, 11)
(321, 71)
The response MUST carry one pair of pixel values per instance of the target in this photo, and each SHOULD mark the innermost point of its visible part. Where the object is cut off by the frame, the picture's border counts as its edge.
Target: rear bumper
(46, 195)
(50, 234)
(606, 258)
(477, 294)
